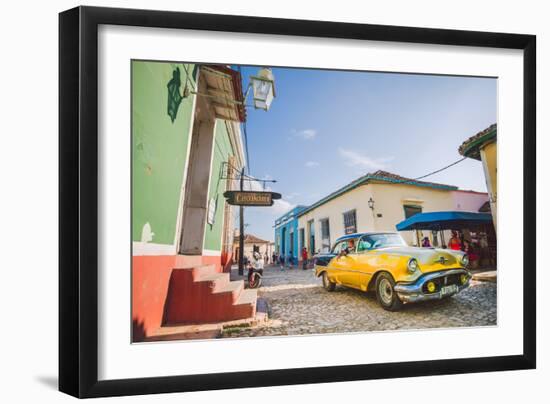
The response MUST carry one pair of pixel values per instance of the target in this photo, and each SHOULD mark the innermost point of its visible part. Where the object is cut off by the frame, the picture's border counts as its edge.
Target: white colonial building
(377, 202)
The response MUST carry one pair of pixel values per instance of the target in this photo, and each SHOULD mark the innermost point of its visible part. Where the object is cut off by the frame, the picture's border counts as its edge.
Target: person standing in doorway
(289, 260)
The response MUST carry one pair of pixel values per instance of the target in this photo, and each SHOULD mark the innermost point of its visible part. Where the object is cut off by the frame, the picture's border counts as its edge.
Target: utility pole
(241, 230)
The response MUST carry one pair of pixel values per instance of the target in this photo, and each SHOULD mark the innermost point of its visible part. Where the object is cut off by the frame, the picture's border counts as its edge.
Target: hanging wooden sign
(251, 198)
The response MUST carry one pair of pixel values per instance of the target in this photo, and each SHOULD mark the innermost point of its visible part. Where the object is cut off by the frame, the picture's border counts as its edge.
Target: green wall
(159, 148)
(222, 152)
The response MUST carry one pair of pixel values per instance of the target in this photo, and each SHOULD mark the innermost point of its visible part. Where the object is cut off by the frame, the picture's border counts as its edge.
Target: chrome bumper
(413, 292)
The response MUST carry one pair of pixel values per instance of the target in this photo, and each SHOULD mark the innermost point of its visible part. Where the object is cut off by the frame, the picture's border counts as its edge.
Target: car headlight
(412, 265)
(465, 260)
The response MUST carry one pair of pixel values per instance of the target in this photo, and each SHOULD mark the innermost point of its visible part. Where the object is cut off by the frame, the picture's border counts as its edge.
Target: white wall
(29, 341)
(469, 201)
(249, 250)
(389, 200)
(334, 211)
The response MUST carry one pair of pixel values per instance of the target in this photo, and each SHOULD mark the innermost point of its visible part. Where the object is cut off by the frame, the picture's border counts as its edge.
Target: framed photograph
(251, 201)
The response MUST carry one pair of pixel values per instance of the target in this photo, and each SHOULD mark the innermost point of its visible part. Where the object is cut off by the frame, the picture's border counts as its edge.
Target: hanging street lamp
(263, 88)
(223, 85)
(371, 203)
(219, 78)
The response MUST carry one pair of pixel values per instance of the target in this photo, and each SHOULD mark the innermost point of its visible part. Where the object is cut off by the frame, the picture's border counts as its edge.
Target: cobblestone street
(299, 305)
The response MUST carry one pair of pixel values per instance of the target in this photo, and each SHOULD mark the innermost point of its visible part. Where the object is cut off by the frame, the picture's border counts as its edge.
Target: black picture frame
(78, 200)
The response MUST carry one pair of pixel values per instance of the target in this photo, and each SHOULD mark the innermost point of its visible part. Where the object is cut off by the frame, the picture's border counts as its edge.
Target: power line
(441, 169)
(246, 177)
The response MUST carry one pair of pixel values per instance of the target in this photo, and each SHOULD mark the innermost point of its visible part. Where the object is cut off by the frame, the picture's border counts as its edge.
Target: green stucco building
(186, 150)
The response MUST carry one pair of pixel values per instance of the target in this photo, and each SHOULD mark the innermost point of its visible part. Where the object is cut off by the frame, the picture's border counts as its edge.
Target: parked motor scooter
(255, 271)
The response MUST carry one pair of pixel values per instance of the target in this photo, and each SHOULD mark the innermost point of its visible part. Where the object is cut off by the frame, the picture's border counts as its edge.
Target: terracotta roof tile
(377, 176)
(387, 175)
(470, 147)
(251, 239)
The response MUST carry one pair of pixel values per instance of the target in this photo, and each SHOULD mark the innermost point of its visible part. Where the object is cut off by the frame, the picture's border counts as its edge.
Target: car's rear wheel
(385, 293)
(327, 284)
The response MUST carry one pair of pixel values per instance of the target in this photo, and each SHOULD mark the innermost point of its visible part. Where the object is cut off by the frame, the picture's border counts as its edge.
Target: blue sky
(326, 128)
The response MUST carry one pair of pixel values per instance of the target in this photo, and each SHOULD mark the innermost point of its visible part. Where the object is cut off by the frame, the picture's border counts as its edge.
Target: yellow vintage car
(384, 263)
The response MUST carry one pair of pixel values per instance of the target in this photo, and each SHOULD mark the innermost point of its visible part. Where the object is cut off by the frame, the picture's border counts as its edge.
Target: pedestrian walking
(454, 242)
(470, 249)
(304, 258)
(289, 260)
(282, 262)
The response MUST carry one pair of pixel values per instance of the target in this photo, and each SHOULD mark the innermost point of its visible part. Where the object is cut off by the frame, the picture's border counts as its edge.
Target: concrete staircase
(200, 294)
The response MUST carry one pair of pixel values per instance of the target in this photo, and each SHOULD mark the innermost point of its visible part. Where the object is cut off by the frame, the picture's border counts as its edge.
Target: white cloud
(280, 206)
(354, 159)
(306, 134)
(292, 195)
(250, 185)
(256, 185)
(311, 164)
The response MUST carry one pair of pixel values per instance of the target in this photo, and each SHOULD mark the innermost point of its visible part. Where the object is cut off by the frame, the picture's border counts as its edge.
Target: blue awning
(444, 220)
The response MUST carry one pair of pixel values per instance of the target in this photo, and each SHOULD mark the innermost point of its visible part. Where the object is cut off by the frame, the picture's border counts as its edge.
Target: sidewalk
(298, 305)
(484, 275)
(274, 275)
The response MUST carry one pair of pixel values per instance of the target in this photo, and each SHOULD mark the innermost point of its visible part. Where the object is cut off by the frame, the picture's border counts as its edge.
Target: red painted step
(196, 271)
(245, 305)
(201, 295)
(212, 330)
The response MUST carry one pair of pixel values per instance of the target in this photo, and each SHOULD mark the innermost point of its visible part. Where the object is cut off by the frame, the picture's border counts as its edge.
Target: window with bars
(325, 235)
(350, 222)
(311, 236)
(411, 210)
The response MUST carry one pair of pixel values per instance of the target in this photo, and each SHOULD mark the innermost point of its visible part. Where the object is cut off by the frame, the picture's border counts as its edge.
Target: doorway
(311, 231)
(283, 242)
(195, 206)
(291, 244)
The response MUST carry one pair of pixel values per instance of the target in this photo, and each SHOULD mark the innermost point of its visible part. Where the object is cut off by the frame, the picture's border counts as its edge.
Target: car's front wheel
(385, 293)
(327, 284)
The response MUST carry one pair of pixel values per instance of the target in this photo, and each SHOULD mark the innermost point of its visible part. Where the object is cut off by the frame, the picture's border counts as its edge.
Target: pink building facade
(469, 201)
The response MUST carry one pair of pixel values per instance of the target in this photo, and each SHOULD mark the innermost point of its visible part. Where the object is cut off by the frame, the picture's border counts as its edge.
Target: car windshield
(344, 244)
(381, 240)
